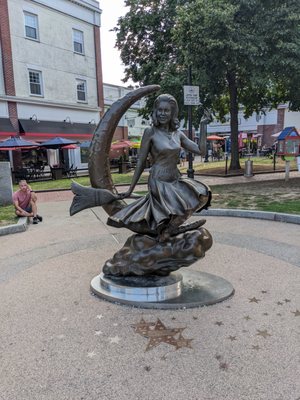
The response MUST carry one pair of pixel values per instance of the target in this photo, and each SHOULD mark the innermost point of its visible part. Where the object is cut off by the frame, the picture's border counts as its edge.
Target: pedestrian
(182, 157)
(24, 201)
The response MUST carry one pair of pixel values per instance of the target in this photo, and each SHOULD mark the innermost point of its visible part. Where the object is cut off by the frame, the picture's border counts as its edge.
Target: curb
(20, 226)
(266, 215)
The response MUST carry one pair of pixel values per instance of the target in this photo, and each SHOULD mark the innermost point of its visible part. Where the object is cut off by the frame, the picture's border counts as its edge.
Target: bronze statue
(162, 243)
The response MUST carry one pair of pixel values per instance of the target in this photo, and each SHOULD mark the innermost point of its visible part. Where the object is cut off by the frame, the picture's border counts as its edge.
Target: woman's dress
(171, 199)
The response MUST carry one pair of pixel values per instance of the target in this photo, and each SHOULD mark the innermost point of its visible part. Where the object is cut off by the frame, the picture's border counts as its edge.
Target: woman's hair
(174, 123)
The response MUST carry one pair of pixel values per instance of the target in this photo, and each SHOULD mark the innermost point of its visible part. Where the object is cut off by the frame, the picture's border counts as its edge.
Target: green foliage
(242, 52)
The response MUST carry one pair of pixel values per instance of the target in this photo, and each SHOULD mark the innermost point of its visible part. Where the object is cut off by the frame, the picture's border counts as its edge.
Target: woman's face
(164, 113)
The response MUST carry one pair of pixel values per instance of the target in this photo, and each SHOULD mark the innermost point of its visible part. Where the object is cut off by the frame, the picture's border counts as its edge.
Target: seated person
(24, 201)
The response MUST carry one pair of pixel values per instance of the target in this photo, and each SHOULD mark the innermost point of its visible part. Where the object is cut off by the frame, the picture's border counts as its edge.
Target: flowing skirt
(167, 202)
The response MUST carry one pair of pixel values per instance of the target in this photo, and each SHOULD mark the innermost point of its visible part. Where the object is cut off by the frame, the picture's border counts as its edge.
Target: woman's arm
(189, 145)
(144, 151)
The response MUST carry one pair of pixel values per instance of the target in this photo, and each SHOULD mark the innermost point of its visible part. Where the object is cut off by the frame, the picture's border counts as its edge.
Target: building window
(81, 90)
(35, 83)
(84, 155)
(78, 41)
(31, 26)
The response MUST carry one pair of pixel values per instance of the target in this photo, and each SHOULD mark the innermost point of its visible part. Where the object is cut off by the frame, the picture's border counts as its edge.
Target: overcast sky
(111, 62)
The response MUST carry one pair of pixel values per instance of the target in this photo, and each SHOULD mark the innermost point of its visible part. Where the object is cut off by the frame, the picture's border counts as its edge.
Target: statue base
(186, 289)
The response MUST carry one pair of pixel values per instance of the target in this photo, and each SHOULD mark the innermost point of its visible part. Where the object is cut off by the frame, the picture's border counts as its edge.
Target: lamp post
(191, 98)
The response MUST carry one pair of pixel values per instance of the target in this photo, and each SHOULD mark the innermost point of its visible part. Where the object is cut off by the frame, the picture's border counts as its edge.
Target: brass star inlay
(254, 300)
(224, 366)
(232, 338)
(219, 323)
(142, 327)
(182, 342)
(264, 333)
(255, 347)
(158, 333)
(297, 313)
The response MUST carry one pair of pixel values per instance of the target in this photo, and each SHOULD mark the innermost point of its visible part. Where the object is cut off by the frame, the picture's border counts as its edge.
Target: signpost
(191, 98)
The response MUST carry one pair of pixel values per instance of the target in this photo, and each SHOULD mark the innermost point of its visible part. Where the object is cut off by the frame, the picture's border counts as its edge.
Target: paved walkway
(59, 342)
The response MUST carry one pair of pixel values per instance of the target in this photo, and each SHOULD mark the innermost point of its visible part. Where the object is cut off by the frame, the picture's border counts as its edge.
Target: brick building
(50, 70)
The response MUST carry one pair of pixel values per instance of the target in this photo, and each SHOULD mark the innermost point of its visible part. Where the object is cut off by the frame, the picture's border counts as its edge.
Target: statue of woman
(171, 199)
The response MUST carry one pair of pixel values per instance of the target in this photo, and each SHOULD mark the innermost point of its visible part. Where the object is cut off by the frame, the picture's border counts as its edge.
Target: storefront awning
(43, 130)
(6, 128)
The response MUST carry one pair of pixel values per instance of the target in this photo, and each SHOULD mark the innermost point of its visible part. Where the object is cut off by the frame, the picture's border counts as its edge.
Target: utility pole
(191, 98)
(190, 171)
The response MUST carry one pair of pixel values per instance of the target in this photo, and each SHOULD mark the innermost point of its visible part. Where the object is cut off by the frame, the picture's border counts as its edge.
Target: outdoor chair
(72, 172)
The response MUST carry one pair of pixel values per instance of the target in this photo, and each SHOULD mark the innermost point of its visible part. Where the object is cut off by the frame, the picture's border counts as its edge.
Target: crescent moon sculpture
(103, 192)
(99, 166)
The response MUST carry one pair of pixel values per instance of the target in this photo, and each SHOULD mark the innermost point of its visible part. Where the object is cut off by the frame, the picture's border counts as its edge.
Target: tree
(242, 52)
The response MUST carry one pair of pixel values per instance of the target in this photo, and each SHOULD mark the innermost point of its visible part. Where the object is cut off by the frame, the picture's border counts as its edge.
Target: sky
(112, 68)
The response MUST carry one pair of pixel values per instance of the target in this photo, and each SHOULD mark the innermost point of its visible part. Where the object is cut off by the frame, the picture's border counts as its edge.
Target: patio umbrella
(16, 142)
(70, 147)
(214, 137)
(120, 145)
(57, 143)
(276, 134)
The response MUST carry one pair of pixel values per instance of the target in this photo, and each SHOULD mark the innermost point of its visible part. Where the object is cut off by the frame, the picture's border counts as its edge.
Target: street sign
(191, 95)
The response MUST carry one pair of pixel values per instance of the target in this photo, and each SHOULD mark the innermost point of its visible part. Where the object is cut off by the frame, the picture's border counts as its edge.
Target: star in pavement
(115, 340)
(158, 333)
(264, 333)
(219, 323)
(279, 303)
(264, 291)
(232, 338)
(98, 333)
(254, 300)
(224, 366)
(255, 347)
(247, 318)
(297, 313)
(91, 354)
(182, 342)
(100, 316)
(287, 300)
(143, 327)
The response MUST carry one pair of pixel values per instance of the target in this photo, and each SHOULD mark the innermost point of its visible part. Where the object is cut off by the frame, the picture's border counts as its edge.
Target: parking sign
(191, 95)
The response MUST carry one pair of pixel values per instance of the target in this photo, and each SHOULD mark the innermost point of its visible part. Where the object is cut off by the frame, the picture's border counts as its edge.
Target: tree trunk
(234, 110)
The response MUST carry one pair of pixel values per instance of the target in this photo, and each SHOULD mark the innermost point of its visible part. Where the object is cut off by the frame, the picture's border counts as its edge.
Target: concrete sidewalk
(59, 342)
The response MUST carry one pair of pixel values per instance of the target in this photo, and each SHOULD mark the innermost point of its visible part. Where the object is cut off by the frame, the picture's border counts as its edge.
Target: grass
(7, 215)
(260, 164)
(275, 196)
